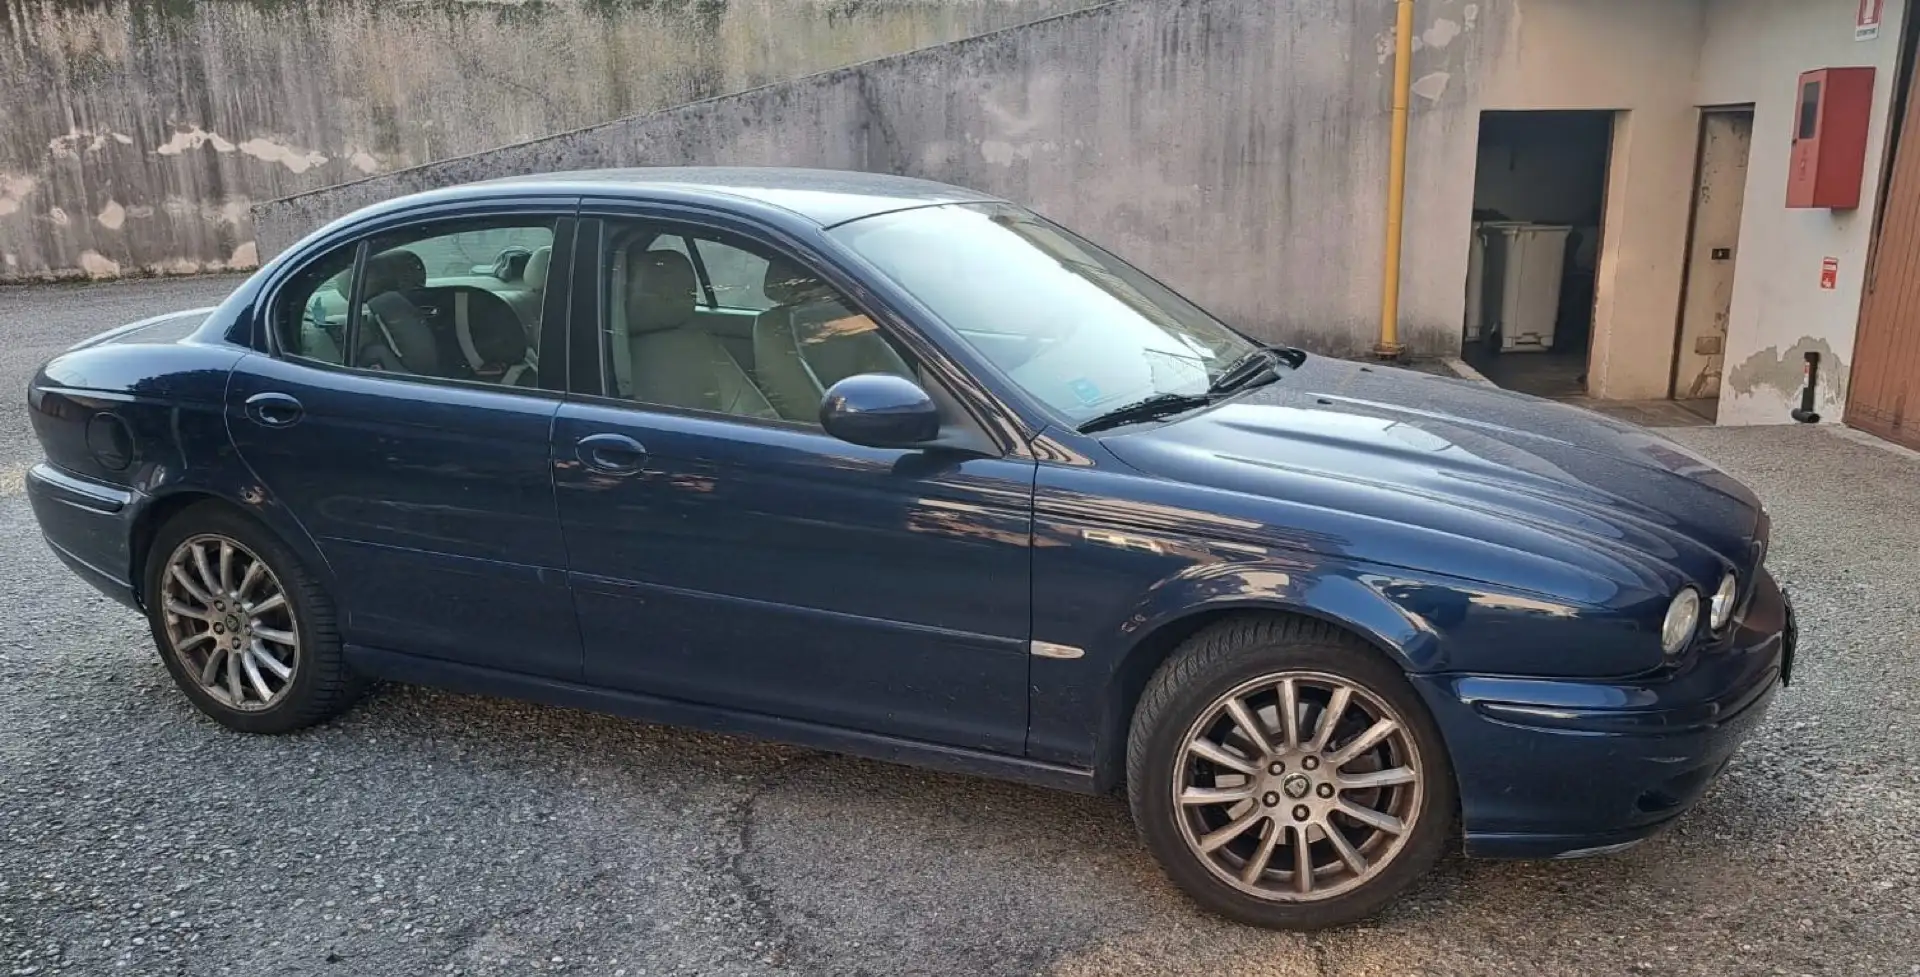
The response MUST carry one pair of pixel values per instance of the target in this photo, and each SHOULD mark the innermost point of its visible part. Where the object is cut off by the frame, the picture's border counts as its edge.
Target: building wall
(1636, 58)
(1755, 51)
(1236, 148)
(137, 134)
(1658, 62)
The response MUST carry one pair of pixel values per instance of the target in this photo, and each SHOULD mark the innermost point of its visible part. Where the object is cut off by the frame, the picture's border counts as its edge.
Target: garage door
(1883, 394)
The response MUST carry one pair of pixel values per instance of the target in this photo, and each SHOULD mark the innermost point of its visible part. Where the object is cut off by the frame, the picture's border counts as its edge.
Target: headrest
(397, 327)
(488, 331)
(789, 284)
(660, 287)
(535, 274)
(394, 271)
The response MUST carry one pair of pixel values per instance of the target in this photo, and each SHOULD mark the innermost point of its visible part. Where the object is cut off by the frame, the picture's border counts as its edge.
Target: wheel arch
(1155, 645)
(165, 506)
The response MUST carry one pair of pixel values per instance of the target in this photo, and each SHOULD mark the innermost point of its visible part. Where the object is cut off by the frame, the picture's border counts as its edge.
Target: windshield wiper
(1258, 364)
(1156, 406)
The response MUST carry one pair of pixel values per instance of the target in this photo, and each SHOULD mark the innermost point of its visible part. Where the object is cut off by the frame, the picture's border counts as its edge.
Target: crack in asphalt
(430, 833)
(777, 943)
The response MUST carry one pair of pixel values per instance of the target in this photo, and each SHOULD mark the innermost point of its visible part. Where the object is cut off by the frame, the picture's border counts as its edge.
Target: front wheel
(1286, 775)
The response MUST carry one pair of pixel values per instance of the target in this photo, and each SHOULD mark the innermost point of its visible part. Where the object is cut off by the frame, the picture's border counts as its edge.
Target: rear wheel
(1287, 775)
(247, 633)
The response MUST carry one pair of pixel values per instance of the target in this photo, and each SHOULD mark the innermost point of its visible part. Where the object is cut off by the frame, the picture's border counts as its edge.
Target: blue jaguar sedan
(893, 468)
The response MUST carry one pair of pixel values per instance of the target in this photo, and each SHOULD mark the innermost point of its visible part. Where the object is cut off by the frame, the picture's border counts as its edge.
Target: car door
(422, 473)
(724, 553)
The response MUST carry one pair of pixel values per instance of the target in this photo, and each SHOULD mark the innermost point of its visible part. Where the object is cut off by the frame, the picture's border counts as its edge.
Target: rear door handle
(274, 410)
(612, 454)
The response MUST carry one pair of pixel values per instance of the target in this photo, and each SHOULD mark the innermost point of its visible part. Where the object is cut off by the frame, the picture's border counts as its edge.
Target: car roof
(826, 197)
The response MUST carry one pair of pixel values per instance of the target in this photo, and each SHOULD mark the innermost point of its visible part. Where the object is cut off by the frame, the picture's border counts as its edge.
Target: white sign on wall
(1866, 24)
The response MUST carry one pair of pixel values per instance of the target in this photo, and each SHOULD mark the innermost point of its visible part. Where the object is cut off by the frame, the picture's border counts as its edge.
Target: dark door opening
(1539, 202)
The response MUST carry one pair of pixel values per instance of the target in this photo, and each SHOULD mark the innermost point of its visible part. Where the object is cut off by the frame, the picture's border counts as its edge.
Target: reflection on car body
(898, 469)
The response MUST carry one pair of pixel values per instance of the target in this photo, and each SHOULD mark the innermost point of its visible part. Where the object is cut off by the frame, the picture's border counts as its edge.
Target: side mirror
(880, 410)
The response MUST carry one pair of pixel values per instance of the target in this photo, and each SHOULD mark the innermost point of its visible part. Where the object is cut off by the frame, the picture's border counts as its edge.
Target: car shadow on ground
(842, 854)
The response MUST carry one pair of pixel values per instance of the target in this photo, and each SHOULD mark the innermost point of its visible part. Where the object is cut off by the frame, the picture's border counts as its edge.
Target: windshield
(1069, 323)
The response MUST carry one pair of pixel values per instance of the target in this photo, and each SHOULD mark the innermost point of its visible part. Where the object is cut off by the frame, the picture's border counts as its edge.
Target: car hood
(1468, 458)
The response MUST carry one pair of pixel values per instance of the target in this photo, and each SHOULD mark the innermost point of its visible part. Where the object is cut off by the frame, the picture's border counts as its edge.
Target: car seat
(810, 341)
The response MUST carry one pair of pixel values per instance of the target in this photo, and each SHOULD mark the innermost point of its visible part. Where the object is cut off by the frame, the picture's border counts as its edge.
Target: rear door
(426, 484)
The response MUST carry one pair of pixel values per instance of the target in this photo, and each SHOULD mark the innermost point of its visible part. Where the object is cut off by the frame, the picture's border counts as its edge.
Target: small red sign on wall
(1866, 23)
(1830, 274)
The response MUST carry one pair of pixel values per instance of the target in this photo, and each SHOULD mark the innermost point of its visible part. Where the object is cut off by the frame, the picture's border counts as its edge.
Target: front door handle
(611, 454)
(274, 410)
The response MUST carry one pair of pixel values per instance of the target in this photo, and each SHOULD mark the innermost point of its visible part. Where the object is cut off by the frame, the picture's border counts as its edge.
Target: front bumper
(1557, 768)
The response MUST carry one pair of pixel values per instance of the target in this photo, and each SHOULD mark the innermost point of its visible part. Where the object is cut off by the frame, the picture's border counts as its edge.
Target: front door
(1726, 141)
(423, 474)
(725, 550)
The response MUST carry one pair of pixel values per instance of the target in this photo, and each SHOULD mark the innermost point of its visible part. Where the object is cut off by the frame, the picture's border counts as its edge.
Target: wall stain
(1784, 372)
(1235, 149)
(152, 120)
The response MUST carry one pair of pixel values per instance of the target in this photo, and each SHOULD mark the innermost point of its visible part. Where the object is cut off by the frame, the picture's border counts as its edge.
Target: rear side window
(311, 318)
(455, 300)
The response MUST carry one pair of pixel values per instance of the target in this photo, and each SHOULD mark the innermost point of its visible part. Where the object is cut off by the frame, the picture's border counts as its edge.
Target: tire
(318, 685)
(1254, 820)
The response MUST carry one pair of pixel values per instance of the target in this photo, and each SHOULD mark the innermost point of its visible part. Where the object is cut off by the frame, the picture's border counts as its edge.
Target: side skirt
(413, 669)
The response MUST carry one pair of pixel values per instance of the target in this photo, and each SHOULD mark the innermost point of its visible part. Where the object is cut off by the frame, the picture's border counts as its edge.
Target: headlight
(1720, 611)
(1683, 616)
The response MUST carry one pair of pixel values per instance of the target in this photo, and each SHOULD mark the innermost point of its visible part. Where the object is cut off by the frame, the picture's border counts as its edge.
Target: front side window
(447, 301)
(737, 276)
(1069, 323)
(742, 331)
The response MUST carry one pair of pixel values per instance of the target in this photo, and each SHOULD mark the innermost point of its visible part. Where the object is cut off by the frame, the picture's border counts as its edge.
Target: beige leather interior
(670, 360)
(810, 341)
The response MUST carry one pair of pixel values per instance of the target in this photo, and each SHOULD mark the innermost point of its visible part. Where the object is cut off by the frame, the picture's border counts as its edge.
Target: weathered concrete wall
(1235, 147)
(137, 134)
(1755, 52)
(1636, 58)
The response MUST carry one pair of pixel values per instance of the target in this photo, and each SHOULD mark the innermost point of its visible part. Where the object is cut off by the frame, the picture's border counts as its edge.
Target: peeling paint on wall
(1441, 33)
(1235, 148)
(297, 160)
(193, 138)
(1432, 86)
(77, 141)
(13, 192)
(1783, 374)
(181, 114)
(98, 265)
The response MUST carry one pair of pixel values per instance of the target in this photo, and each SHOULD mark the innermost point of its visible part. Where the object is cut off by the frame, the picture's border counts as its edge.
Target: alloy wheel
(229, 623)
(1297, 786)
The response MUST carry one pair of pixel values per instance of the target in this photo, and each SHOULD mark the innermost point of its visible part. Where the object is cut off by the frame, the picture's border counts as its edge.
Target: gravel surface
(429, 833)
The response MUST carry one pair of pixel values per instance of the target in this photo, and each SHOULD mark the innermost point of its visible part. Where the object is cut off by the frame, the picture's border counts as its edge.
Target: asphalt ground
(430, 833)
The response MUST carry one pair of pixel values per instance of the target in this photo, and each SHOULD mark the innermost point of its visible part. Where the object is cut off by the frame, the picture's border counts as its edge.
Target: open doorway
(1539, 200)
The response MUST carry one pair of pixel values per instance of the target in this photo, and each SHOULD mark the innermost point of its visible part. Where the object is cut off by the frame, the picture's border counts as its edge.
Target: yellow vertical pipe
(1389, 345)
